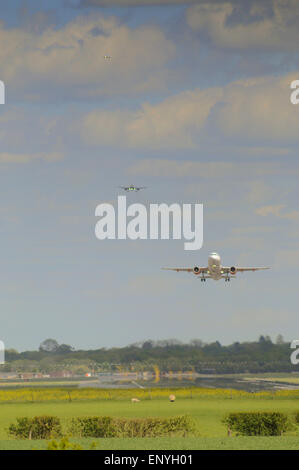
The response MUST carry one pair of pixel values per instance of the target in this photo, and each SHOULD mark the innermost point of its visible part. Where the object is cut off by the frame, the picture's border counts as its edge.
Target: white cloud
(278, 31)
(257, 110)
(73, 56)
(259, 191)
(270, 210)
(172, 122)
(278, 211)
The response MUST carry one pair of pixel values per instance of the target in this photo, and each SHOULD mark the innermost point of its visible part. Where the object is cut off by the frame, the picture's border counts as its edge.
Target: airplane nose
(215, 259)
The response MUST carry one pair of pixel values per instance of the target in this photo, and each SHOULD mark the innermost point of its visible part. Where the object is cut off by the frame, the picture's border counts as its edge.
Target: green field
(207, 413)
(170, 443)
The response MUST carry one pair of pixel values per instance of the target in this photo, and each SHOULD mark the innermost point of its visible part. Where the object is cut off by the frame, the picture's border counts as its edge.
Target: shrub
(258, 423)
(65, 444)
(94, 426)
(39, 427)
(154, 427)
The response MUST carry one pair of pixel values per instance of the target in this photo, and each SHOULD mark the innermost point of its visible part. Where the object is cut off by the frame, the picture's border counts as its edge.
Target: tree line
(263, 355)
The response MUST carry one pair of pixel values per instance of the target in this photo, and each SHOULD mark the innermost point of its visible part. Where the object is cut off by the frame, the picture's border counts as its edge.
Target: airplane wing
(188, 270)
(241, 270)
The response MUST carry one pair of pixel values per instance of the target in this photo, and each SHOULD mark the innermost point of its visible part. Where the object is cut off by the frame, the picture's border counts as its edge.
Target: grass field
(170, 443)
(207, 413)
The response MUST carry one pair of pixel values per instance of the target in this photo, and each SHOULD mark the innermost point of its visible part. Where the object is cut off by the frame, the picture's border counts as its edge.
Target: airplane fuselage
(214, 265)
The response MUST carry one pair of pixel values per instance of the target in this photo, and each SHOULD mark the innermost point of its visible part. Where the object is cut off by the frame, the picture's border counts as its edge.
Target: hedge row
(257, 423)
(46, 427)
(254, 423)
(105, 426)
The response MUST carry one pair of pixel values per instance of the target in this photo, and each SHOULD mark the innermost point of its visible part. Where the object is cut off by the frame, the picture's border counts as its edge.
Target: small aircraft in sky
(107, 57)
(131, 187)
(215, 270)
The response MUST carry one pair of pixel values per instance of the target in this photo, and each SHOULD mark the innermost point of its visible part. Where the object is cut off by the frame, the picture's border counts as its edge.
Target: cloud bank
(269, 25)
(250, 110)
(72, 56)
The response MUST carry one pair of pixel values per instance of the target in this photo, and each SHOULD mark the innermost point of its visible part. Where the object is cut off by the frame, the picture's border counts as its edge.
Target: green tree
(49, 345)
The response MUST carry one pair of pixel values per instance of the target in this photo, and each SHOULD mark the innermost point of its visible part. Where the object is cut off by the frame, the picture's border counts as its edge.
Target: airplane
(215, 270)
(107, 57)
(131, 187)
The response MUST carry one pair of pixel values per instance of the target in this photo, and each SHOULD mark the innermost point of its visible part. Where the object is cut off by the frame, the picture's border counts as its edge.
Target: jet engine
(196, 270)
(233, 270)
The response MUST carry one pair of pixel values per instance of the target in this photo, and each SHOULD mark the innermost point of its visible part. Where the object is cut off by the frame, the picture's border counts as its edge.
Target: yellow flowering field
(85, 394)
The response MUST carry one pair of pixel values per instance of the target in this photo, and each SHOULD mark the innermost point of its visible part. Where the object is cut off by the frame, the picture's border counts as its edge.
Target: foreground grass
(207, 413)
(169, 443)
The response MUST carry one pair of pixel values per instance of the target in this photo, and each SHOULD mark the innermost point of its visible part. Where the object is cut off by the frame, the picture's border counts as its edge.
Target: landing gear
(227, 278)
(203, 279)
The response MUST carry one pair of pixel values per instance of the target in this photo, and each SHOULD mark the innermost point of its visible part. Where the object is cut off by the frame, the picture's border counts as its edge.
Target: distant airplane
(215, 270)
(107, 57)
(131, 187)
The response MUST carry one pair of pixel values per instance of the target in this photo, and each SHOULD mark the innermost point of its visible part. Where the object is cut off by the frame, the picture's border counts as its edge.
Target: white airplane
(215, 270)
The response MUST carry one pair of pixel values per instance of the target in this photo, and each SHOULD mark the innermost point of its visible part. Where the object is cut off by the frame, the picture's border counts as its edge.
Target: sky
(194, 105)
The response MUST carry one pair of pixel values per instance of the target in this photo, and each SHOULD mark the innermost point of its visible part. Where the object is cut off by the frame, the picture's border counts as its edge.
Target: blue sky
(195, 105)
